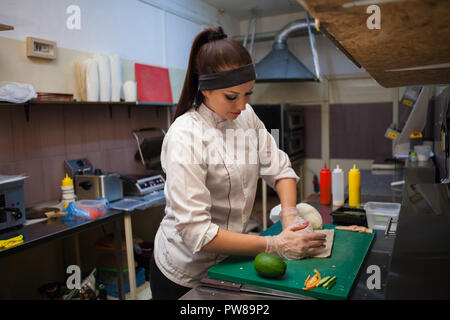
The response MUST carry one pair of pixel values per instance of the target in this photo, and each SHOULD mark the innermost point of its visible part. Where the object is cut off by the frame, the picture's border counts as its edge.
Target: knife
(234, 286)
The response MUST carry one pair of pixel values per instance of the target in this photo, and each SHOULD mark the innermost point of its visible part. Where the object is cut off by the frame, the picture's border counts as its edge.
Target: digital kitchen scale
(141, 192)
(139, 185)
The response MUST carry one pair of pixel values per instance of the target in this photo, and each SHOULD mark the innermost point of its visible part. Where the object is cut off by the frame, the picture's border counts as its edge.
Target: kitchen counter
(375, 186)
(44, 230)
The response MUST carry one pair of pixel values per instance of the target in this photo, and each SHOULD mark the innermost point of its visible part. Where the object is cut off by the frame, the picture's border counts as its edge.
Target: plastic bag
(73, 213)
(16, 92)
(305, 211)
(275, 213)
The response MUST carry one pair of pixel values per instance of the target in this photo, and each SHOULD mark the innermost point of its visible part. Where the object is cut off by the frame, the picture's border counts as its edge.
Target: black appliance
(149, 150)
(289, 120)
(12, 204)
(422, 243)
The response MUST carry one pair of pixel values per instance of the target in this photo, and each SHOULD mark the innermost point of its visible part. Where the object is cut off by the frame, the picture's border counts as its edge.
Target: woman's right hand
(293, 245)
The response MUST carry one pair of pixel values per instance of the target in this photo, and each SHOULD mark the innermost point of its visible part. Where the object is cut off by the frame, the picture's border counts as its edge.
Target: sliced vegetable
(309, 276)
(327, 285)
(330, 285)
(309, 288)
(323, 281)
(316, 281)
(329, 281)
(311, 282)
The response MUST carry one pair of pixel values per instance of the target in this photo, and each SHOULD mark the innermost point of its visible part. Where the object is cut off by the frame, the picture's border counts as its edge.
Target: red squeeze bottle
(325, 185)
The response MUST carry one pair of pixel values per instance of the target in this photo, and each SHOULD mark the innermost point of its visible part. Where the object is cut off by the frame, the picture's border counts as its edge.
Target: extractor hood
(280, 65)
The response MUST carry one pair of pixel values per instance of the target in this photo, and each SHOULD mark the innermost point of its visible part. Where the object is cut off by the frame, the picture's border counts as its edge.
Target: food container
(95, 208)
(378, 214)
(347, 216)
(423, 152)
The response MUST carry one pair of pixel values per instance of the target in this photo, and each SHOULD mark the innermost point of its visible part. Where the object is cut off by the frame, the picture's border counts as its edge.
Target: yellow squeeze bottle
(68, 194)
(354, 187)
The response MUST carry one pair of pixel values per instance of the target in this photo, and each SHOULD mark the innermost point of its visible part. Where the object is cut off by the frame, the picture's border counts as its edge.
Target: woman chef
(212, 155)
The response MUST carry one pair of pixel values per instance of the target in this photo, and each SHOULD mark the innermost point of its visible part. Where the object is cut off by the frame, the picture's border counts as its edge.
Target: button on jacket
(212, 167)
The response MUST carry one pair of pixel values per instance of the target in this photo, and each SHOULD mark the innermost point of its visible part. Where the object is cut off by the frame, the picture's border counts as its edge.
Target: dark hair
(212, 51)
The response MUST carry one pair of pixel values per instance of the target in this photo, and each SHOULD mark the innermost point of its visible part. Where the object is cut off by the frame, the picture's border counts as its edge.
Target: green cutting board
(347, 255)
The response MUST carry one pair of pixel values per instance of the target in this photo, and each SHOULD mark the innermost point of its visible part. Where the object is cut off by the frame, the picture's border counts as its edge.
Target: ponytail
(189, 94)
(211, 52)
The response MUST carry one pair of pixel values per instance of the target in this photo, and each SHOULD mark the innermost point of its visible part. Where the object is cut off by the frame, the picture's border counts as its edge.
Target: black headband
(227, 79)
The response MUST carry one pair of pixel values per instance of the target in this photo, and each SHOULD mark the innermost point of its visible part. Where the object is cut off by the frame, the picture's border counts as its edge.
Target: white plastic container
(378, 214)
(423, 152)
(337, 186)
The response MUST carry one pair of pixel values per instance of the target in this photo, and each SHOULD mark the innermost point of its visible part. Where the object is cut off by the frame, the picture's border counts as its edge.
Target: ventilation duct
(280, 65)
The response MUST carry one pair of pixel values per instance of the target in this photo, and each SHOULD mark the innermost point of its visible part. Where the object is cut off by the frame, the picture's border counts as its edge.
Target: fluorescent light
(432, 66)
(366, 2)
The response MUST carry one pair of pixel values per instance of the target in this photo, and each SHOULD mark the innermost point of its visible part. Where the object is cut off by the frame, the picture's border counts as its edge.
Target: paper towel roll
(129, 90)
(104, 71)
(92, 80)
(116, 77)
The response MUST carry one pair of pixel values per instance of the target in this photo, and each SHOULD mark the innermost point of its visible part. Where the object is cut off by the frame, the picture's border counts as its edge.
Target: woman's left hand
(289, 217)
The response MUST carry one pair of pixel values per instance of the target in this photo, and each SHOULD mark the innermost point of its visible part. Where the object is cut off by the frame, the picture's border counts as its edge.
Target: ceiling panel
(411, 46)
(240, 8)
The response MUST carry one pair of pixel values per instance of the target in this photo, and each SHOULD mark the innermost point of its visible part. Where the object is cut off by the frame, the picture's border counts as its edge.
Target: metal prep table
(38, 233)
(41, 232)
(146, 201)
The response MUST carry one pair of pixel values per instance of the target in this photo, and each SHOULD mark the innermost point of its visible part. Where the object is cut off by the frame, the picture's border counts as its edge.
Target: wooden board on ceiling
(414, 34)
(4, 27)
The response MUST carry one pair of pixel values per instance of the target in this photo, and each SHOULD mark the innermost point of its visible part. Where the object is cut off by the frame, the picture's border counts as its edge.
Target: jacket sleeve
(187, 195)
(274, 162)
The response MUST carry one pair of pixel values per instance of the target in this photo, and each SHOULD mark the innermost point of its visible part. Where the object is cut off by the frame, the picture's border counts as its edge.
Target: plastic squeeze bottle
(337, 186)
(68, 194)
(354, 187)
(325, 185)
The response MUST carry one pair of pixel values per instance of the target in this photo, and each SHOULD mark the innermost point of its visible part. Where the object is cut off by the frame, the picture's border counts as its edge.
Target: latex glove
(292, 245)
(300, 220)
(289, 217)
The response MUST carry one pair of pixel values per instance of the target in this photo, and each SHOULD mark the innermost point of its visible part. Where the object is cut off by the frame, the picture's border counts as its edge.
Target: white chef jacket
(209, 185)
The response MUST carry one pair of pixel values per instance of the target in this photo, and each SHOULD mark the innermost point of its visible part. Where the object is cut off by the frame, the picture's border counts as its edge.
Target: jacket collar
(211, 116)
